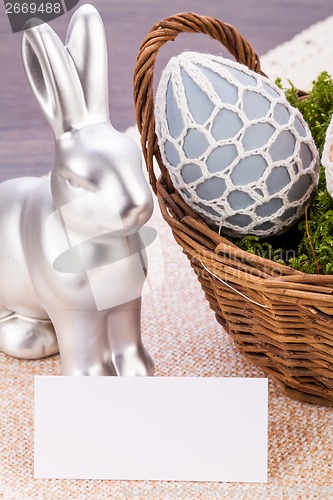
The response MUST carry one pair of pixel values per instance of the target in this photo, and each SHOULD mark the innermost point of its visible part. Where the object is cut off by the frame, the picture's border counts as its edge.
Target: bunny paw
(26, 338)
(133, 362)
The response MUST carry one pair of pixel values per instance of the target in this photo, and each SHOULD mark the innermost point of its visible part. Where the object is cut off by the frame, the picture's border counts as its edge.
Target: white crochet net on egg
(202, 153)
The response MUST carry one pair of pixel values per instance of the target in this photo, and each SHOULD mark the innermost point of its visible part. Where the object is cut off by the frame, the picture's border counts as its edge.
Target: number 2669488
(32, 8)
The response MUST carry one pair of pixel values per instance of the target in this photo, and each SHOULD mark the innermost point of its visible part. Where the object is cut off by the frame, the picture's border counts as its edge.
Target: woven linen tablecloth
(184, 338)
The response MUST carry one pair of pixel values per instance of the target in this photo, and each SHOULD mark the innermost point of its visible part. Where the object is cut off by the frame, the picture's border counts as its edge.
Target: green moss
(311, 250)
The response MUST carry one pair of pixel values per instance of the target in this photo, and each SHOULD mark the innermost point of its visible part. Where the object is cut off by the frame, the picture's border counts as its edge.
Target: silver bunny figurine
(72, 261)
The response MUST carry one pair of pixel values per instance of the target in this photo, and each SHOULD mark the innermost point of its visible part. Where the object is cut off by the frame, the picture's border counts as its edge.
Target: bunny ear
(86, 43)
(53, 78)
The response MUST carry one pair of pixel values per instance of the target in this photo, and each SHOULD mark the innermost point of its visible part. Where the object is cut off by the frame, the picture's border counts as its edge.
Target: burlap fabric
(185, 340)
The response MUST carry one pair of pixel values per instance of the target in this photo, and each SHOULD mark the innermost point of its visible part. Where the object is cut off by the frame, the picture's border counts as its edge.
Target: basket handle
(160, 33)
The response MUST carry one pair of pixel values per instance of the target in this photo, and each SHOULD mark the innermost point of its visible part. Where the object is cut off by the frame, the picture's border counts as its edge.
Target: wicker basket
(279, 318)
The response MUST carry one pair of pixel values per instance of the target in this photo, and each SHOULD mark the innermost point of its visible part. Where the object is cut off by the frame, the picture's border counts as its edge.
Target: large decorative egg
(327, 158)
(236, 151)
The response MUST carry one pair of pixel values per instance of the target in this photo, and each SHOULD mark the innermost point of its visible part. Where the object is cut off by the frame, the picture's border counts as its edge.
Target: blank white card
(151, 428)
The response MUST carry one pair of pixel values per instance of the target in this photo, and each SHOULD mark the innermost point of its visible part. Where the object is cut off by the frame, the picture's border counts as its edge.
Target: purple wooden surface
(26, 143)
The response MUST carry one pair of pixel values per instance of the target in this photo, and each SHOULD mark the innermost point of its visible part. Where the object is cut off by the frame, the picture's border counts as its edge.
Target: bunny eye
(74, 182)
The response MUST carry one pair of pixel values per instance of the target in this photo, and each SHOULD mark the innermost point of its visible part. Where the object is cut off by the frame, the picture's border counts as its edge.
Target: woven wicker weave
(279, 318)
